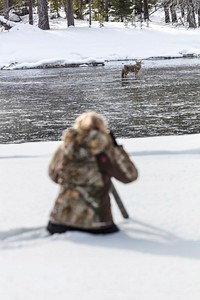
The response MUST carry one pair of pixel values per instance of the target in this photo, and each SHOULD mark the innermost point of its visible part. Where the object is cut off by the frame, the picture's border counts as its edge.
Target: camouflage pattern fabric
(75, 168)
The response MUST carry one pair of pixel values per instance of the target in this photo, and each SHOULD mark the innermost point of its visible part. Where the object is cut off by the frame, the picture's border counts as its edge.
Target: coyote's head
(138, 62)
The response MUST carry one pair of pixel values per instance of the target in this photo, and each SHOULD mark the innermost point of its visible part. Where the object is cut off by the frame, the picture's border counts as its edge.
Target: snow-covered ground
(26, 46)
(156, 255)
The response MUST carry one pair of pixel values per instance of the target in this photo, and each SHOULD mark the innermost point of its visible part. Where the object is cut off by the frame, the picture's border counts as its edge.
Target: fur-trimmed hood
(83, 143)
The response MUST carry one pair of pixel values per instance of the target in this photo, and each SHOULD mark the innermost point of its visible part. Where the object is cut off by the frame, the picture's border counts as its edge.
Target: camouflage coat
(83, 166)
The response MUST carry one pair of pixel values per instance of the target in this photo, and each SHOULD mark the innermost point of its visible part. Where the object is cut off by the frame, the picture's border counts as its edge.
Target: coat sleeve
(121, 167)
(55, 165)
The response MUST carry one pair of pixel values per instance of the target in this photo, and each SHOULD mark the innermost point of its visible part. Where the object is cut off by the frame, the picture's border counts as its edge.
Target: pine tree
(121, 9)
(79, 6)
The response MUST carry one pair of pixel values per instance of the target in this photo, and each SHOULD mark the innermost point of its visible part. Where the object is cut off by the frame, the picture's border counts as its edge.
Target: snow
(26, 46)
(156, 254)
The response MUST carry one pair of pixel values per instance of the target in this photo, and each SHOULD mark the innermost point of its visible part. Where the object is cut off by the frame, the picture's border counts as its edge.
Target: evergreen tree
(99, 10)
(121, 9)
(54, 7)
(79, 6)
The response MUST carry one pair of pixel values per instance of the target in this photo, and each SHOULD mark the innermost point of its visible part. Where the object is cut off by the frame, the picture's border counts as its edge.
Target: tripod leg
(119, 201)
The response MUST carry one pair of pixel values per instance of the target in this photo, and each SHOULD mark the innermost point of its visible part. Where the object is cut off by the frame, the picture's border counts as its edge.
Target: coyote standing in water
(132, 68)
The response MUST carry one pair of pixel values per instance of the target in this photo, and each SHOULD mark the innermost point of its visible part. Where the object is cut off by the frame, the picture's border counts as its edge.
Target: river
(37, 105)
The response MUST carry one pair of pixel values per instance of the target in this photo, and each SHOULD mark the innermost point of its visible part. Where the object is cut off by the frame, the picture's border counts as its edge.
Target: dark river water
(37, 105)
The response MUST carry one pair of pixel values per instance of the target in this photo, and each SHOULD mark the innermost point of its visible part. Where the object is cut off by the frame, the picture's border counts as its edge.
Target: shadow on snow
(135, 235)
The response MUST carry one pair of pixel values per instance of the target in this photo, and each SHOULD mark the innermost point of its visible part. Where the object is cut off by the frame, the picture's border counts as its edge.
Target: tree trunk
(166, 11)
(198, 16)
(90, 14)
(106, 10)
(173, 12)
(146, 10)
(80, 13)
(43, 22)
(6, 9)
(70, 13)
(191, 14)
(182, 11)
(30, 9)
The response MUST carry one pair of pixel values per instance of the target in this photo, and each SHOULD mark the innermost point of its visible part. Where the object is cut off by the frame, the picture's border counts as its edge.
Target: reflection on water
(37, 105)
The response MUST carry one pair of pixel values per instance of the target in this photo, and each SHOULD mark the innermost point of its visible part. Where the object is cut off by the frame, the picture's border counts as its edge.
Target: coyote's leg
(136, 75)
(123, 73)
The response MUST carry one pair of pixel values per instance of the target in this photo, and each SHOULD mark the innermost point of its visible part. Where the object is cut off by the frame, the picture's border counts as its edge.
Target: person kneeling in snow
(83, 166)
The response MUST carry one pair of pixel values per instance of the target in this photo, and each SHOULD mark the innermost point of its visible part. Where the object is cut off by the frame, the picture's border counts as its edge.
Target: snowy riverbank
(26, 46)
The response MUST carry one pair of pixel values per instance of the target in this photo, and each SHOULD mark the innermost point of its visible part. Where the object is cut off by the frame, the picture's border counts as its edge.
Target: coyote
(132, 68)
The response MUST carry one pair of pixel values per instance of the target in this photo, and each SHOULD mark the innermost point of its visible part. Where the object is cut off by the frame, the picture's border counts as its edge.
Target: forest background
(181, 12)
